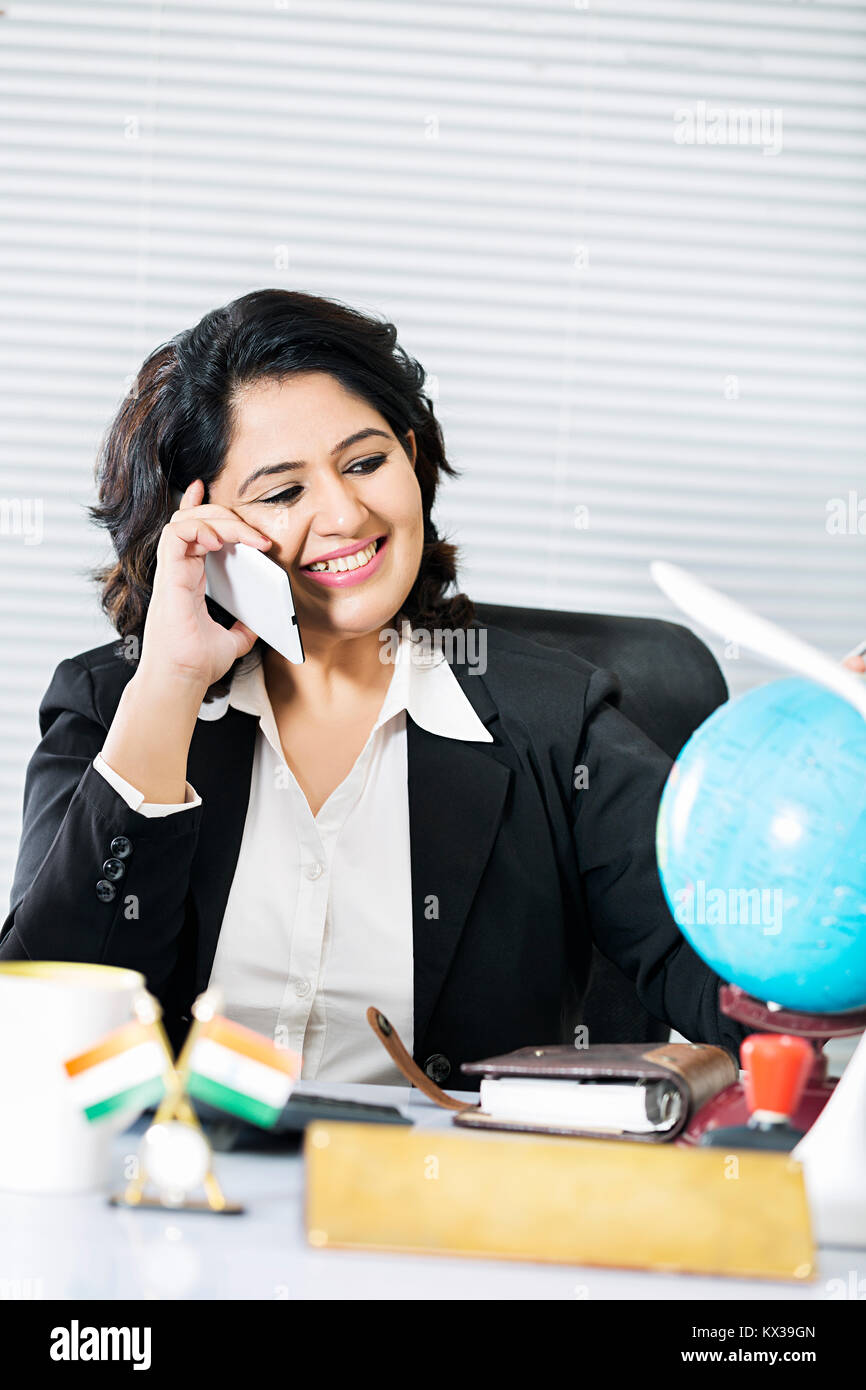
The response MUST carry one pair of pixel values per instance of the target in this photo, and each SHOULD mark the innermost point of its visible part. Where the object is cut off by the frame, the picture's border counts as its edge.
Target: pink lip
(347, 550)
(344, 579)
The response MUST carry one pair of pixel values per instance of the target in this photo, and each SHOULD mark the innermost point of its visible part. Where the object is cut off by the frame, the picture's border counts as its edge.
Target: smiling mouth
(346, 563)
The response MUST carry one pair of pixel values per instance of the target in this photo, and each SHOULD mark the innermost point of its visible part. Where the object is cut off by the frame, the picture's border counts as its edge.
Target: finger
(856, 663)
(187, 540)
(212, 511)
(243, 638)
(194, 531)
(223, 524)
(193, 495)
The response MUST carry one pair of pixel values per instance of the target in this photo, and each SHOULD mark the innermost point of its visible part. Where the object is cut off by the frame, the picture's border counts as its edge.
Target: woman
(362, 828)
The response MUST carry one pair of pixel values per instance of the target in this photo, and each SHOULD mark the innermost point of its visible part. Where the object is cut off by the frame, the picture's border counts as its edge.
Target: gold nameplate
(560, 1200)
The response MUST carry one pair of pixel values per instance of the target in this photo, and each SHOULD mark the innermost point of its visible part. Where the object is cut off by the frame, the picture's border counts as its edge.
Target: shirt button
(315, 870)
(105, 891)
(438, 1068)
(114, 869)
(302, 987)
(120, 847)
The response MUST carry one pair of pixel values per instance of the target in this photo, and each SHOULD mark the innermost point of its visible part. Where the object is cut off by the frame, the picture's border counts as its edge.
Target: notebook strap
(390, 1040)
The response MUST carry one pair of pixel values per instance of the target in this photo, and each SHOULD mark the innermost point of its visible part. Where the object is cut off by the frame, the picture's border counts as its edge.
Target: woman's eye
(367, 465)
(292, 494)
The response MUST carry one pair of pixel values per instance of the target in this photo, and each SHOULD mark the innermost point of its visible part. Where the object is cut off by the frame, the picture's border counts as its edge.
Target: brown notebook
(663, 1083)
(666, 1082)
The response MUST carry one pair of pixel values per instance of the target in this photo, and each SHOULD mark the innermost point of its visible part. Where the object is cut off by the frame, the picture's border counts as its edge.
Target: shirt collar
(423, 684)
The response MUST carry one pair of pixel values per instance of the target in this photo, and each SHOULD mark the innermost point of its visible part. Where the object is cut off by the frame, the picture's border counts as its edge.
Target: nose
(335, 506)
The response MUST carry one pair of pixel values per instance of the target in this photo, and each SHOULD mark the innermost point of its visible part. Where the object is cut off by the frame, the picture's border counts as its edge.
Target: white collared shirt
(318, 922)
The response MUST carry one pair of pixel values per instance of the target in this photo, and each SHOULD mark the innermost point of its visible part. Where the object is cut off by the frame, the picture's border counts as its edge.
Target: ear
(412, 450)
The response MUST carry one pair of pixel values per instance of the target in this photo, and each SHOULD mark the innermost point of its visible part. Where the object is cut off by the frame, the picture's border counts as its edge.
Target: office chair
(671, 683)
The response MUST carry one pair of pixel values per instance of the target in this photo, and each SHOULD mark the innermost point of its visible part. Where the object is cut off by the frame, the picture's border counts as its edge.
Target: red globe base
(729, 1107)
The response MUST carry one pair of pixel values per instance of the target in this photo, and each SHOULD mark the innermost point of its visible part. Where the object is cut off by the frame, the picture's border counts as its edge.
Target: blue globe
(761, 845)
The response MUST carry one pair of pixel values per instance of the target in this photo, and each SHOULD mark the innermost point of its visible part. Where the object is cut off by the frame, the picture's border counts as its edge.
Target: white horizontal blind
(644, 343)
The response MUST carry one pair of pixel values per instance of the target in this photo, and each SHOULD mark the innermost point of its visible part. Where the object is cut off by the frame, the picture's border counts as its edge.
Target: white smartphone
(255, 589)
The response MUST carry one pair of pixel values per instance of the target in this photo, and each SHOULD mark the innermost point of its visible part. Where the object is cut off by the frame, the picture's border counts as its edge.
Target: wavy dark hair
(176, 422)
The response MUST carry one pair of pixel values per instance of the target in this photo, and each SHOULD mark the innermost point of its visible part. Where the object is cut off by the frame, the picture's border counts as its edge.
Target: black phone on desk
(253, 588)
(226, 1133)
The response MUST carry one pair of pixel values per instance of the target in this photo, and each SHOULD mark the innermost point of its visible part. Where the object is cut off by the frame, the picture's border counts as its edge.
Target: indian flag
(239, 1070)
(128, 1069)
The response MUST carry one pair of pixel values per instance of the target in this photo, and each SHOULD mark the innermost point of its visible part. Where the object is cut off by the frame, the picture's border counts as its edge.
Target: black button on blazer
(525, 869)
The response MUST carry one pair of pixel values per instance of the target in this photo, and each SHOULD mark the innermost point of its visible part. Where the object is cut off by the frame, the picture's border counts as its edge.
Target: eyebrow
(271, 468)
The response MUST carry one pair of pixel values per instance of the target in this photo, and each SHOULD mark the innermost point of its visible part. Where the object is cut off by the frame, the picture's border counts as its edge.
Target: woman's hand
(181, 640)
(184, 651)
(856, 663)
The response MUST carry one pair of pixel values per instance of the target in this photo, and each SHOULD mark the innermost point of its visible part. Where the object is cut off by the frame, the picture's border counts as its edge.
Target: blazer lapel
(456, 793)
(456, 797)
(220, 768)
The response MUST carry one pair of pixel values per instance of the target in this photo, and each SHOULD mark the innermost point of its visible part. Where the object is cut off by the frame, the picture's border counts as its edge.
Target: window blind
(625, 239)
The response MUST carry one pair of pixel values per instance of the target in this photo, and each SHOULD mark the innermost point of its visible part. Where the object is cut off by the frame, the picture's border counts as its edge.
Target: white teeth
(346, 562)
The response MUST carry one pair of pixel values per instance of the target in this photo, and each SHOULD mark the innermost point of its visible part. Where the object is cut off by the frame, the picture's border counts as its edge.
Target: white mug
(50, 1011)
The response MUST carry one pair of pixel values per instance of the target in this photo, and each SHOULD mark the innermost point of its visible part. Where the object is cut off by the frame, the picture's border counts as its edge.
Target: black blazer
(525, 869)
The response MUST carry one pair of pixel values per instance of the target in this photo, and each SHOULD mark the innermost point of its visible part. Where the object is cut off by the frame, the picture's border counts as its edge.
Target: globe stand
(729, 1108)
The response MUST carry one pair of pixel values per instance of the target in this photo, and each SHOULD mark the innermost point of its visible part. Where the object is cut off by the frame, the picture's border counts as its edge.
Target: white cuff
(135, 799)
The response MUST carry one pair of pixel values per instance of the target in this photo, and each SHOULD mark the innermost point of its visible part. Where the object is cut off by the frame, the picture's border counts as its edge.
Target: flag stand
(175, 1155)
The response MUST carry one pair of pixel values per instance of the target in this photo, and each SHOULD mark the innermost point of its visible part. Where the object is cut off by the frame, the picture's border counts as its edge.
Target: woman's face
(298, 470)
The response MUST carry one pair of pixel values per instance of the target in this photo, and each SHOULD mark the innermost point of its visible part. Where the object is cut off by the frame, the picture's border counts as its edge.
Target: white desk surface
(82, 1248)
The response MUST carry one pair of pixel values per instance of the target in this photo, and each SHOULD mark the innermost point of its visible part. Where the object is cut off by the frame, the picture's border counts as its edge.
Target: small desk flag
(238, 1070)
(128, 1069)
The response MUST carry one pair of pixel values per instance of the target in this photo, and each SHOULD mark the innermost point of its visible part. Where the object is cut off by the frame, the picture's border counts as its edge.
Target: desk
(82, 1248)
